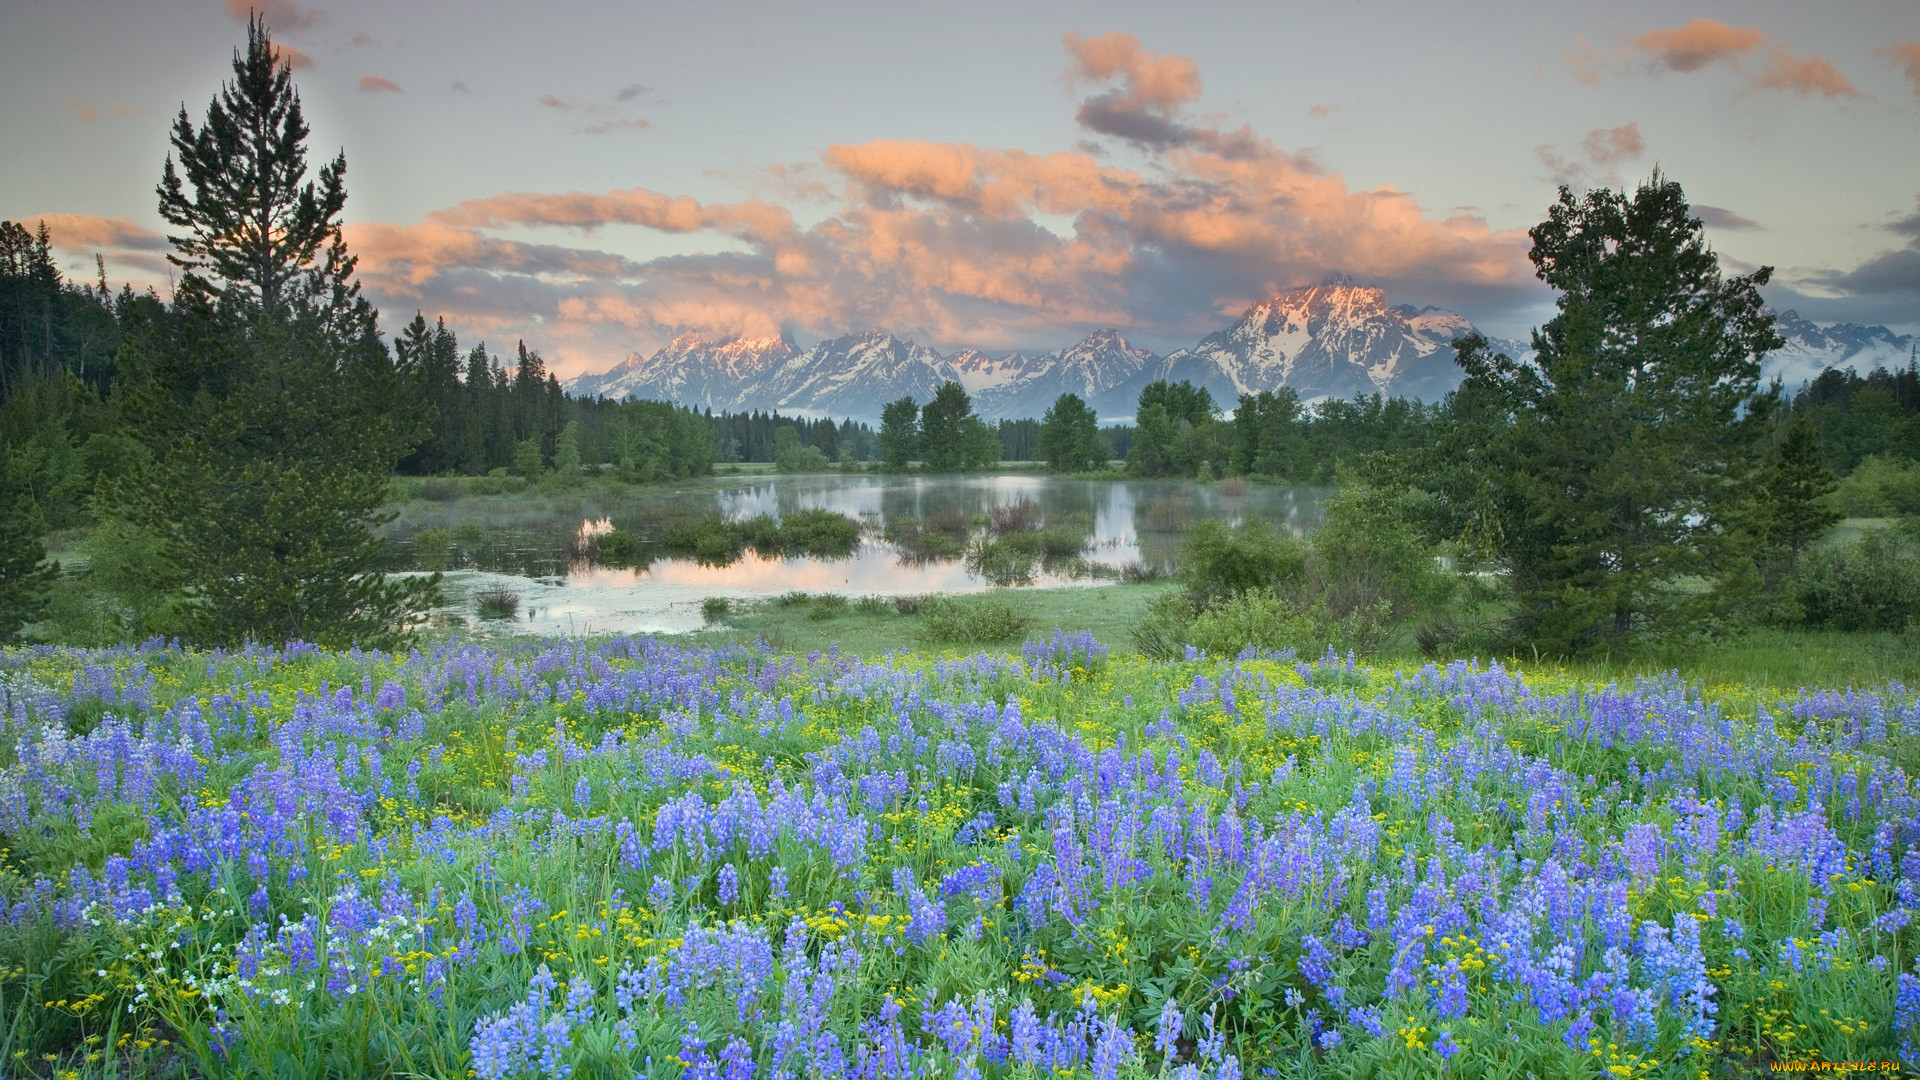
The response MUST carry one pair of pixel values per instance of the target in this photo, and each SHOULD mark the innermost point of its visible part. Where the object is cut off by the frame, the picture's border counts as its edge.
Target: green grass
(1770, 658)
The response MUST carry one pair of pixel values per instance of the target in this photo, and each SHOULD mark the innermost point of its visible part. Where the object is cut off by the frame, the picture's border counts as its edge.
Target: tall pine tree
(271, 404)
(1631, 432)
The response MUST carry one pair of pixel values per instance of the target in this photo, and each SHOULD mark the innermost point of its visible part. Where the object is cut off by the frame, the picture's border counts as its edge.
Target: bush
(715, 609)
(874, 605)
(1870, 583)
(1218, 562)
(980, 622)
(715, 541)
(497, 602)
(818, 532)
(1880, 486)
(440, 490)
(796, 598)
(1015, 517)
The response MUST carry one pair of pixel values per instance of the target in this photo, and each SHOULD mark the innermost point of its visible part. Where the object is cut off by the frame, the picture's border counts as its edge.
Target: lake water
(540, 547)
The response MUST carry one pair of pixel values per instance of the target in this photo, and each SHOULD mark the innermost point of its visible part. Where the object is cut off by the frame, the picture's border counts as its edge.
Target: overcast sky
(599, 177)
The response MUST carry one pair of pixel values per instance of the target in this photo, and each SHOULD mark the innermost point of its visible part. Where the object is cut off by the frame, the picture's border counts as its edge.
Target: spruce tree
(25, 573)
(270, 401)
(1632, 430)
(1797, 478)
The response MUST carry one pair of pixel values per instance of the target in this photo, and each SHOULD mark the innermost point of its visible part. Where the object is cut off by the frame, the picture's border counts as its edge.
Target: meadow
(638, 856)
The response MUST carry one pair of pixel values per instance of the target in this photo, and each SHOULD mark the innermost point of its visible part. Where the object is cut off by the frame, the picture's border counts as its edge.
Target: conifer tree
(268, 398)
(1797, 478)
(1632, 431)
(25, 573)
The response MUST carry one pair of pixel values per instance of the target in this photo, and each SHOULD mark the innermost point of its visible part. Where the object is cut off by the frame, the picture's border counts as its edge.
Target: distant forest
(59, 340)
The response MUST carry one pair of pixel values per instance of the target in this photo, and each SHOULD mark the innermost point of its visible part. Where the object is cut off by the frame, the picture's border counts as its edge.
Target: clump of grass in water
(981, 622)
(497, 602)
(715, 609)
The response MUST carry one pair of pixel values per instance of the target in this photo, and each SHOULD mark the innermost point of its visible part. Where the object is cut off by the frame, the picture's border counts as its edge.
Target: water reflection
(920, 534)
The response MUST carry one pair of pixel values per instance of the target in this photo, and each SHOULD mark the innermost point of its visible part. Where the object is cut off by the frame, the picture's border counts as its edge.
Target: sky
(597, 178)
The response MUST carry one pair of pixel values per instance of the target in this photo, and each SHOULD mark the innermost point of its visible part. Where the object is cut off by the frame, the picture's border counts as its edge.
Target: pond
(918, 535)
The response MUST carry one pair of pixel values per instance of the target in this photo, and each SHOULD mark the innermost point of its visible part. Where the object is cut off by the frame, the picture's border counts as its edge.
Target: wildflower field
(633, 857)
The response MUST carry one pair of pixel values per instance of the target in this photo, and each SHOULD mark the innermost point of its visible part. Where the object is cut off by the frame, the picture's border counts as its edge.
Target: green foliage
(1070, 436)
(790, 457)
(1176, 432)
(715, 609)
(899, 433)
(274, 412)
(1355, 586)
(1218, 562)
(1860, 416)
(566, 451)
(1630, 436)
(952, 621)
(1871, 582)
(951, 437)
(527, 461)
(1881, 486)
(25, 573)
(715, 541)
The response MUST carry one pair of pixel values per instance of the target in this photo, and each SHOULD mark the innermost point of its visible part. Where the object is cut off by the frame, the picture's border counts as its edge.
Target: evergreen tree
(25, 573)
(899, 433)
(1070, 435)
(1797, 478)
(267, 396)
(1632, 429)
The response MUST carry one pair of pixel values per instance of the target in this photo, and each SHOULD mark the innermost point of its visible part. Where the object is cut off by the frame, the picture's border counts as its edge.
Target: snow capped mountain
(691, 371)
(1812, 349)
(1332, 340)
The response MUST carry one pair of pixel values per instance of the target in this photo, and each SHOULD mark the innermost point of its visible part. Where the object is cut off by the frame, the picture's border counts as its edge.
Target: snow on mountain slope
(1332, 340)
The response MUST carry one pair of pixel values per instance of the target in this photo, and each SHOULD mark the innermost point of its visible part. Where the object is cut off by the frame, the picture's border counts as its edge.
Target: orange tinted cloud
(955, 243)
(291, 57)
(78, 232)
(277, 14)
(374, 84)
(1605, 146)
(1699, 43)
(1805, 76)
(1907, 55)
(1153, 88)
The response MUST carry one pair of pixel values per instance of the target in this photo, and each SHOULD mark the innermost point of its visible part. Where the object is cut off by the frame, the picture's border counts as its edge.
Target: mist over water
(542, 547)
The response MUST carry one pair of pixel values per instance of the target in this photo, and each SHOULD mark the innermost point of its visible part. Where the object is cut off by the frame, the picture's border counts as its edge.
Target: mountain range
(1331, 340)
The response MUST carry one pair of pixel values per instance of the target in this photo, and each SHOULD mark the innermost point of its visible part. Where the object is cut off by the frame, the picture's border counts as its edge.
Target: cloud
(608, 127)
(85, 232)
(1604, 146)
(1805, 76)
(1715, 217)
(292, 57)
(81, 109)
(1884, 287)
(1152, 90)
(277, 14)
(1698, 44)
(1704, 43)
(362, 40)
(1906, 55)
(1324, 109)
(631, 91)
(374, 84)
(460, 87)
(1599, 151)
(956, 243)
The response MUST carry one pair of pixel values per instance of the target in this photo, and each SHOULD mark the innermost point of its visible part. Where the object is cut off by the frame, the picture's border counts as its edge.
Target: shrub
(952, 522)
(1137, 572)
(1015, 517)
(497, 602)
(1880, 486)
(796, 598)
(715, 609)
(907, 605)
(617, 547)
(441, 490)
(1869, 583)
(827, 606)
(874, 605)
(1218, 562)
(818, 532)
(979, 622)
